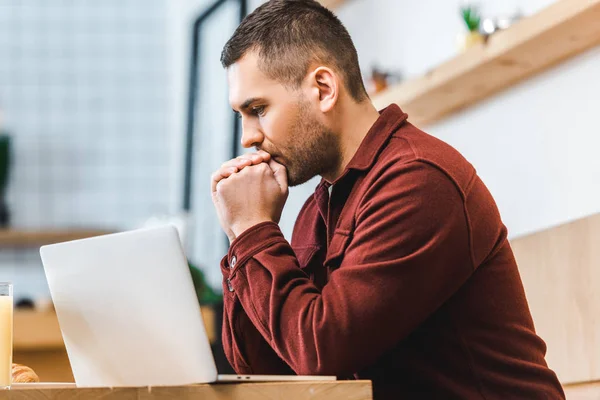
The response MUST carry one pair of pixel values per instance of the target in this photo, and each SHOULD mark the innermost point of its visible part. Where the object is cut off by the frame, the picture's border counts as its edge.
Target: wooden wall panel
(560, 268)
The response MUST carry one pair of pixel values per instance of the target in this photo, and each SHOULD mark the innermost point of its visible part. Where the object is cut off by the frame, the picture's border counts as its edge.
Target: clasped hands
(248, 190)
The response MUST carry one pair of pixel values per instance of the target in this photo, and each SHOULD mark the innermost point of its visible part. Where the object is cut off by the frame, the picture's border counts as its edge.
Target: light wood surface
(38, 343)
(560, 268)
(340, 390)
(34, 330)
(29, 238)
(51, 365)
(583, 391)
(562, 30)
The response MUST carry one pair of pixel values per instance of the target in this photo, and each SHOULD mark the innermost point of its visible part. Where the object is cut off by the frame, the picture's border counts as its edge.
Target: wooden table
(351, 390)
(335, 390)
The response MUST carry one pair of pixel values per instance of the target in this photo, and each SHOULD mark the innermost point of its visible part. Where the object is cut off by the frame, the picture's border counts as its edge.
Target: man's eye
(259, 110)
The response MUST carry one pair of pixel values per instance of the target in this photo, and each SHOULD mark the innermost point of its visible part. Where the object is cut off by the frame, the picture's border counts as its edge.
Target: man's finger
(265, 156)
(280, 173)
(257, 157)
(245, 160)
(237, 164)
(221, 174)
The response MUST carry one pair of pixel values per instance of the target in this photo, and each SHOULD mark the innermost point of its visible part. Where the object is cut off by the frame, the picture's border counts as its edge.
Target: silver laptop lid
(128, 310)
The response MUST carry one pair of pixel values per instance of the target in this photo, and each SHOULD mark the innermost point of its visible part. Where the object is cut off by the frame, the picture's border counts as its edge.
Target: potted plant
(206, 295)
(472, 19)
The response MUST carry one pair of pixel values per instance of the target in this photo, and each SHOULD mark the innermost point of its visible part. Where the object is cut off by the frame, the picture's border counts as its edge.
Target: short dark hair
(289, 35)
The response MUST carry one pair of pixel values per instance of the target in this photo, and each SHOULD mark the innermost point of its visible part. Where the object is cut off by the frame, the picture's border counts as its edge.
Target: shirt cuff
(249, 243)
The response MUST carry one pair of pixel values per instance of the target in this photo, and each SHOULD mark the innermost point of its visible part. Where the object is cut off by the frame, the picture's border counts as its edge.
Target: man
(399, 269)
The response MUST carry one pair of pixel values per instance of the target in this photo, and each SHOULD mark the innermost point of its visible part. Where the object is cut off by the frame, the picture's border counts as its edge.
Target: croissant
(23, 374)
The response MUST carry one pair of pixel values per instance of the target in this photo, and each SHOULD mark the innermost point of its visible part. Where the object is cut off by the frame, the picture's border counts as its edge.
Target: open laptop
(129, 314)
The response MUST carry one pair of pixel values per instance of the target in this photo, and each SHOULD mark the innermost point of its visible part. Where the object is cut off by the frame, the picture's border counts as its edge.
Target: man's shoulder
(410, 144)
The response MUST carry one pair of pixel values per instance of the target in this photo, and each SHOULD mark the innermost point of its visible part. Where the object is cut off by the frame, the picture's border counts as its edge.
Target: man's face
(281, 121)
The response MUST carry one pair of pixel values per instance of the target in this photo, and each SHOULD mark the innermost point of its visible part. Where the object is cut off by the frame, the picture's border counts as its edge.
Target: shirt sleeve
(408, 254)
(245, 348)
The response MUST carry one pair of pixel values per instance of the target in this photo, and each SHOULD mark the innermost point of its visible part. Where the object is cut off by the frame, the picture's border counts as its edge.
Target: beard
(312, 149)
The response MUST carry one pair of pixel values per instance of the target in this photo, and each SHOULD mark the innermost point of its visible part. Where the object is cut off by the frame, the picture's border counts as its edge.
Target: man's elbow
(332, 365)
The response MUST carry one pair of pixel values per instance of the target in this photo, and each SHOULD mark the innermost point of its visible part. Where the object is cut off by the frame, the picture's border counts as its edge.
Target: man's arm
(409, 253)
(245, 348)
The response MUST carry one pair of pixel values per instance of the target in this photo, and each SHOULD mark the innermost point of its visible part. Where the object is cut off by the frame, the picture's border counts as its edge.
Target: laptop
(129, 313)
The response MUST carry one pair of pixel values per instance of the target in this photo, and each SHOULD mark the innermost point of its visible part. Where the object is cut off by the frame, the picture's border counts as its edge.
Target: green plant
(206, 294)
(471, 17)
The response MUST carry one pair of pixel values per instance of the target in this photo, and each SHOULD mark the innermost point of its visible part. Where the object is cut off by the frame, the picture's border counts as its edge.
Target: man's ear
(326, 86)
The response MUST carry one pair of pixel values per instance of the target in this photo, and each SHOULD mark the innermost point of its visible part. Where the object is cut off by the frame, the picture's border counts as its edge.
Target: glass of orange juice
(6, 334)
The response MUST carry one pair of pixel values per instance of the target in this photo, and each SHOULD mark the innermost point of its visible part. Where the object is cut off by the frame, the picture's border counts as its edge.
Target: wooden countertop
(342, 390)
(351, 390)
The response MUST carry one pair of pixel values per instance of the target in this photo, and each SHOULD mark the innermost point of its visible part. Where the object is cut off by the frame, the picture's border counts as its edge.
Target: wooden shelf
(564, 29)
(24, 238)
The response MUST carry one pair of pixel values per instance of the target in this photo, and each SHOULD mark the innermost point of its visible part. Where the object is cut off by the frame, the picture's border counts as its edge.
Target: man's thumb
(280, 173)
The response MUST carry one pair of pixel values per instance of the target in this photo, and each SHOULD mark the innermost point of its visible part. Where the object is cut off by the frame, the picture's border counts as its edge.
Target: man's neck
(356, 121)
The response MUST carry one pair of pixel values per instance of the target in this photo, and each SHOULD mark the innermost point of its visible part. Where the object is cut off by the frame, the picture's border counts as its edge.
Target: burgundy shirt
(403, 276)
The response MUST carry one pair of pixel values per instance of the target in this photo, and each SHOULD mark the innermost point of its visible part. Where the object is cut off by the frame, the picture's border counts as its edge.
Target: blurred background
(114, 113)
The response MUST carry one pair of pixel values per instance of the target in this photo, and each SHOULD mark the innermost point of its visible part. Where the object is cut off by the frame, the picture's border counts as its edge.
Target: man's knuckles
(256, 170)
(263, 167)
(223, 186)
(229, 173)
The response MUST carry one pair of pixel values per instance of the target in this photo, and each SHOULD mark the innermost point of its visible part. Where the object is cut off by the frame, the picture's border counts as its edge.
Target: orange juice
(6, 339)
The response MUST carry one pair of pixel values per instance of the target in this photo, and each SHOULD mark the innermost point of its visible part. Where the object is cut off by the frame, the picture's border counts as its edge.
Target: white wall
(415, 35)
(534, 145)
(539, 166)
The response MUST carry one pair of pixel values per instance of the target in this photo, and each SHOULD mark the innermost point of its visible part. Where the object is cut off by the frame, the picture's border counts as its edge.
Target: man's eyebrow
(246, 104)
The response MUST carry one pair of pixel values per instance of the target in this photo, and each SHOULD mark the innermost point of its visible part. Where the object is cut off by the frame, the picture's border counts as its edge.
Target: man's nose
(251, 137)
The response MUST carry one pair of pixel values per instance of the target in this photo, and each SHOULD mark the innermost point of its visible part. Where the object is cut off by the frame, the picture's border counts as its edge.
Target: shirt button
(229, 285)
(233, 262)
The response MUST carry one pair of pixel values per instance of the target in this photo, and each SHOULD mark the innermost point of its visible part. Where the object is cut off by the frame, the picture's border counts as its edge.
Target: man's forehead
(242, 76)
(246, 80)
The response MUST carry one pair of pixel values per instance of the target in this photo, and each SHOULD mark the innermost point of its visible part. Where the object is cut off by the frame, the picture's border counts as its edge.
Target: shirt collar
(390, 119)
